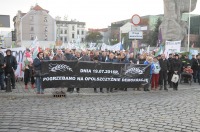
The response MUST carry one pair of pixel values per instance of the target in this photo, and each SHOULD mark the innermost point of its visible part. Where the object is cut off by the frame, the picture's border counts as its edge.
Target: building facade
(70, 31)
(36, 23)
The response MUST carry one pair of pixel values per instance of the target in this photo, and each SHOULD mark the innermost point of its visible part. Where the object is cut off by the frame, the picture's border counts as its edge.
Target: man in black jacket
(10, 67)
(164, 65)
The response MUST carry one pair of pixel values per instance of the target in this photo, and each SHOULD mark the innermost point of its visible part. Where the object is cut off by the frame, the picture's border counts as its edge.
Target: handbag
(175, 78)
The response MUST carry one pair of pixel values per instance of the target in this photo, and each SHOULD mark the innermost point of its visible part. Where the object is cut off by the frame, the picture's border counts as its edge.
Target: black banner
(58, 74)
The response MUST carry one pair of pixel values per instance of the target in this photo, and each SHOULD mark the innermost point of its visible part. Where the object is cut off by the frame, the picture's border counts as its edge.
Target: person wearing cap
(10, 67)
(176, 67)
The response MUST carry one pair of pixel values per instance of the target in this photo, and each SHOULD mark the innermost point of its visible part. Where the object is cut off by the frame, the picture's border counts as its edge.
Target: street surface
(132, 111)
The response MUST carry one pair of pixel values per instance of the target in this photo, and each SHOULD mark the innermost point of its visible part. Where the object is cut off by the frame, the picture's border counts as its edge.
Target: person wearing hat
(10, 67)
(176, 67)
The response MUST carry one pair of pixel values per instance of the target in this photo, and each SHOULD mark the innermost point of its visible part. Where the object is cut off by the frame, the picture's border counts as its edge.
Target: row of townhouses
(39, 23)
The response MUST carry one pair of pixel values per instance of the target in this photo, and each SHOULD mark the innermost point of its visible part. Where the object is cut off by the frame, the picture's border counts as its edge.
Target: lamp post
(188, 46)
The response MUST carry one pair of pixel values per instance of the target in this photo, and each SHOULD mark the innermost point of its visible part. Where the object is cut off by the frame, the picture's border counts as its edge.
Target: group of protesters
(161, 73)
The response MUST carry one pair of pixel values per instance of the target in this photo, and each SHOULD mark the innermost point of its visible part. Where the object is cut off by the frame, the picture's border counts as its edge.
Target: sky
(96, 13)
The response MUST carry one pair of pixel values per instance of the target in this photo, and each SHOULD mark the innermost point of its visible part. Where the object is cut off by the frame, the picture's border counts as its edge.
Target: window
(32, 28)
(72, 35)
(32, 37)
(73, 28)
(82, 32)
(82, 39)
(61, 31)
(61, 38)
(45, 29)
(65, 31)
(45, 19)
(78, 32)
(65, 39)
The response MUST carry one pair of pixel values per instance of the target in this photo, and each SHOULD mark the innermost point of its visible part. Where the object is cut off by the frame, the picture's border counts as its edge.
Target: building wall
(40, 24)
(70, 31)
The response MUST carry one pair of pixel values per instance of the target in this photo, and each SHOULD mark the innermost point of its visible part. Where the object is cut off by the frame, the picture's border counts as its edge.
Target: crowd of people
(162, 71)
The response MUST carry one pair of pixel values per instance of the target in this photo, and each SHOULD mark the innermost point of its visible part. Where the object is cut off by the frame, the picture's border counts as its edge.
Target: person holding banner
(10, 67)
(113, 60)
(96, 60)
(59, 55)
(37, 70)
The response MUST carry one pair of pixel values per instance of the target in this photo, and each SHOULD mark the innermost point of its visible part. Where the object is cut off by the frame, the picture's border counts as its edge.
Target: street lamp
(188, 48)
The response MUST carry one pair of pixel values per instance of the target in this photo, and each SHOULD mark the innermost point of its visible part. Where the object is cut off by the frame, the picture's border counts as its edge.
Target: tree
(154, 34)
(93, 36)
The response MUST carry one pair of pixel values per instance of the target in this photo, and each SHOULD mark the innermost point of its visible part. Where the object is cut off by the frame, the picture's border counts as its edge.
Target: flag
(122, 40)
(108, 41)
(160, 51)
(34, 43)
(121, 47)
(148, 49)
(160, 39)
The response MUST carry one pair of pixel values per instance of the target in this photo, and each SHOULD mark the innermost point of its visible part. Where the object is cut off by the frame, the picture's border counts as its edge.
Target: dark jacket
(176, 65)
(37, 64)
(69, 56)
(164, 65)
(111, 60)
(11, 63)
(198, 61)
(85, 58)
(141, 61)
(170, 60)
(1, 63)
(185, 62)
(133, 60)
(194, 64)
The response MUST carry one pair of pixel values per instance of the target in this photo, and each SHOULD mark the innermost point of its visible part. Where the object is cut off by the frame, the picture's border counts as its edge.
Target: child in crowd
(155, 74)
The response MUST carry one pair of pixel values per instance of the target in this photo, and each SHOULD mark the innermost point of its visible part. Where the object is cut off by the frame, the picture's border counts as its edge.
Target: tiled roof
(38, 8)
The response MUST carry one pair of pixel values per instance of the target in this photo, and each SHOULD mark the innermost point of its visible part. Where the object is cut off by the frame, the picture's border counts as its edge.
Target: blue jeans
(2, 81)
(38, 85)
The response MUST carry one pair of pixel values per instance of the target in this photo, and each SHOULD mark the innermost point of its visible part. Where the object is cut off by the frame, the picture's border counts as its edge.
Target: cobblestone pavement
(131, 111)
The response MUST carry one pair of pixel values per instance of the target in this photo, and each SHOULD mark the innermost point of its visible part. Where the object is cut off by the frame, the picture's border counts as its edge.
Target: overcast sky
(96, 13)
